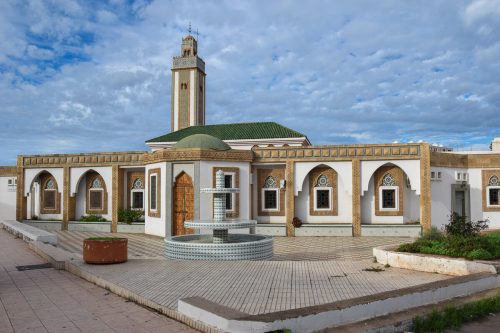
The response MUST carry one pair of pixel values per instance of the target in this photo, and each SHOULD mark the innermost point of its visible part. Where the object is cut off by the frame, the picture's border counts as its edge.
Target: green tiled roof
(241, 131)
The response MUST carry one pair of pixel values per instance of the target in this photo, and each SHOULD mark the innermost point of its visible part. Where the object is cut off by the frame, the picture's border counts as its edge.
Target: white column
(192, 120)
(176, 101)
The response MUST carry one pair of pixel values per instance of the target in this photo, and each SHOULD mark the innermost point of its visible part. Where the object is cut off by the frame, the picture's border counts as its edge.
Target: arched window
(270, 195)
(493, 192)
(137, 194)
(96, 194)
(322, 194)
(50, 195)
(388, 193)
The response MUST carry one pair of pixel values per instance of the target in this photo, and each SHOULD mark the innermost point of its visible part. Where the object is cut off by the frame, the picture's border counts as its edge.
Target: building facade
(351, 190)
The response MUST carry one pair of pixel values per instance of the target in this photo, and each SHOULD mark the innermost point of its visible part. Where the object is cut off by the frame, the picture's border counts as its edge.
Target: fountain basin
(220, 225)
(201, 247)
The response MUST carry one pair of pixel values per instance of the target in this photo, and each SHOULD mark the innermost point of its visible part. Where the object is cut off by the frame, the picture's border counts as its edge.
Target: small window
(270, 199)
(49, 195)
(228, 183)
(137, 194)
(96, 199)
(137, 200)
(9, 182)
(388, 199)
(433, 175)
(270, 195)
(493, 191)
(439, 175)
(323, 199)
(494, 194)
(152, 192)
(49, 199)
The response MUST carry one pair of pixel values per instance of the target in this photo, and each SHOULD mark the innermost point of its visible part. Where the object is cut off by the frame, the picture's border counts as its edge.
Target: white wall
(411, 205)
(7, 199)
(155, 225)
(81, 198)
(441, 195)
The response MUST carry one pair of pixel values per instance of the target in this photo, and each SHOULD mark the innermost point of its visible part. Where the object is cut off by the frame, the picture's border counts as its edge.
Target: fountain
(220, 245)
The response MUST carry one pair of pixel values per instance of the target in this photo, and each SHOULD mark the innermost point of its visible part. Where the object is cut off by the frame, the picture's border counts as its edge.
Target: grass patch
(104, 238)
(454, 317)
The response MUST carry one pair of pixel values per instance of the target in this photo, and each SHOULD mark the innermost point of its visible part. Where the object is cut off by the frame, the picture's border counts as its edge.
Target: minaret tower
(188, 86)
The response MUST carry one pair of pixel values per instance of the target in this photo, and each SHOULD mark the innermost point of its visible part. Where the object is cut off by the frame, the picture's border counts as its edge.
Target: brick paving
(285, 248)
(305, 271)
(48, 300)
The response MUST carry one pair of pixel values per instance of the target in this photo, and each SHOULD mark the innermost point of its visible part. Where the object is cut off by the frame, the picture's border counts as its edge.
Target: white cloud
(99, 73)
(70, 114)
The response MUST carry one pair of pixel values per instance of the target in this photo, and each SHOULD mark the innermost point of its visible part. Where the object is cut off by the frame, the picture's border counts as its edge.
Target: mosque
(290, 186)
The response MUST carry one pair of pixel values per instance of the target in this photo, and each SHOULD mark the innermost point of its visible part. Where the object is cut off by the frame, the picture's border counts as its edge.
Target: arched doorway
(183, 197)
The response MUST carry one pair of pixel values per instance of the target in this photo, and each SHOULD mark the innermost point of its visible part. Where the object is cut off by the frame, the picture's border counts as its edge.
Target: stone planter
(105, 250)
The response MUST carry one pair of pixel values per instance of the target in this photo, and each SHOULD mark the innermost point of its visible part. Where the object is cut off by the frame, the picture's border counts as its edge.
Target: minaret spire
(188, 86)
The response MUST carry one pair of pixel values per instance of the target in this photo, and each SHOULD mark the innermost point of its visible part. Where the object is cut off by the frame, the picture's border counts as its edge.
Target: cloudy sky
(79, 76)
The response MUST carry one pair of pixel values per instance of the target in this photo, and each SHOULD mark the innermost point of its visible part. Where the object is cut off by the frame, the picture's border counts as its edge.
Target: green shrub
(479, 254)
(92, 218)
(484, 247)
(462, 226)
(129, 215)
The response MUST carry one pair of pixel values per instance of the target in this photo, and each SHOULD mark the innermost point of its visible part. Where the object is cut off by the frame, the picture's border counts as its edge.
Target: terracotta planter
(105, 251)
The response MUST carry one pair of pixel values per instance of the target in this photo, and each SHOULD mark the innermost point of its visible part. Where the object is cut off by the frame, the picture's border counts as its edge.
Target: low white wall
(7, 199)
(430, 263)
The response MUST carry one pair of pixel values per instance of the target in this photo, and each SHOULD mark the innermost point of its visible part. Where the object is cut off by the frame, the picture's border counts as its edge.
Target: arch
(30, 175)
(411, 168)
(81, 192)
(78, 173)
(343, 170)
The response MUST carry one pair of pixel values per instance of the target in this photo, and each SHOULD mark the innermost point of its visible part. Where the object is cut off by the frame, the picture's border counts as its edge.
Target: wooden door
(183, 204)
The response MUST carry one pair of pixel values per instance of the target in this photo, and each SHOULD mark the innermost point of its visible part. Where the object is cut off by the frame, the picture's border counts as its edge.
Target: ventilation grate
(32, 267)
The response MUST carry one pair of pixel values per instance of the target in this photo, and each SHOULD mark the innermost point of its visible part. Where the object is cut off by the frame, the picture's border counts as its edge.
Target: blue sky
(80, 76)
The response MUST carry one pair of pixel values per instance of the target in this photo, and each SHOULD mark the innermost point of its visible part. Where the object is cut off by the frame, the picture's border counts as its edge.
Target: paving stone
(48, 300)
(305, 271)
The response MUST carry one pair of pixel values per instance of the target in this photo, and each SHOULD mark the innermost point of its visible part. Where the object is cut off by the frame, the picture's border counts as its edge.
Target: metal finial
(189, 30)
(197, 34)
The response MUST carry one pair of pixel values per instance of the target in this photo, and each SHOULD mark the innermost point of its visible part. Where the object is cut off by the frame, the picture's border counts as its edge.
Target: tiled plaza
(306, 272)
(285, 248)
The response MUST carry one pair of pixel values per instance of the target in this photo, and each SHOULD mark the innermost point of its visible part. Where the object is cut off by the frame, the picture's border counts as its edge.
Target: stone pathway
(48, 300)
(285, 248)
